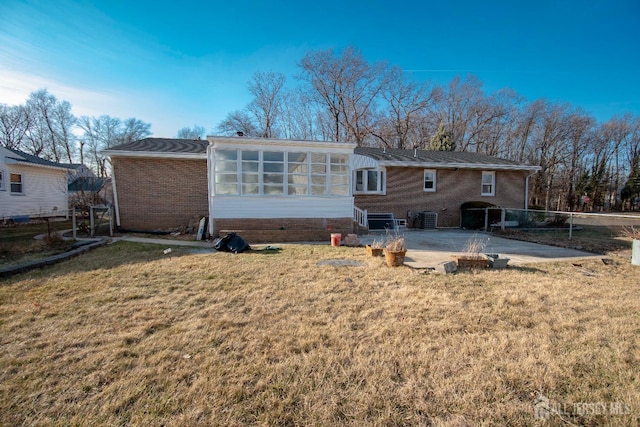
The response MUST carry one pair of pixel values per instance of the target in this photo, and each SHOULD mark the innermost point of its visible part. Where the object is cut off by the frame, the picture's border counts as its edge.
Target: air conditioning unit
(427, 220)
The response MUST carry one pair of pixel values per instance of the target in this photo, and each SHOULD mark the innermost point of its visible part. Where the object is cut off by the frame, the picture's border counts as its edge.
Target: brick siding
(284, 229)
(158, 194)
(453, 188)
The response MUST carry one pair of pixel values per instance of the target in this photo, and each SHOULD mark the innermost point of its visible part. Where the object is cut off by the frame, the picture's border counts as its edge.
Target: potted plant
(395, 249)
(375, 248)
(471, 256)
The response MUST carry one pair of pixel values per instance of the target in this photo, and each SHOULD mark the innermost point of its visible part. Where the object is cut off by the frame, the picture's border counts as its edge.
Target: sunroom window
(252, 172)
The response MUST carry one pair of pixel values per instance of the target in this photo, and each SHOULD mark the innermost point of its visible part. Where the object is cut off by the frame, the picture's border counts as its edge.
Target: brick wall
(284, 229)
(157, 194)
(405, 193)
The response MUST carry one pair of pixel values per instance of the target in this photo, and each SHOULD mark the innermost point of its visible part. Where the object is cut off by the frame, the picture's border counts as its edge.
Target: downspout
(210, 187)
(526, 190)
(115, 193)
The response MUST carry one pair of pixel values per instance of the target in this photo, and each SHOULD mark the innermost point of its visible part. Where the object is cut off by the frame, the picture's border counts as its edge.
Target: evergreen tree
(442, 140)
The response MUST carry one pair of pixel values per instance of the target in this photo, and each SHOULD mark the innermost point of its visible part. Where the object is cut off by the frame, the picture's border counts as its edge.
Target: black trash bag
(231, 243)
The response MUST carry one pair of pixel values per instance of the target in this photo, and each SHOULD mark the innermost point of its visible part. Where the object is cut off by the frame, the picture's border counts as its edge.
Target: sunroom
(263, 185)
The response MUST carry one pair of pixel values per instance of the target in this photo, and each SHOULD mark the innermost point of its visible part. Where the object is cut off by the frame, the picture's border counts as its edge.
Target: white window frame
(21, 183)
(320, 174)
(424, 181)
(381, 186)
(492, 192)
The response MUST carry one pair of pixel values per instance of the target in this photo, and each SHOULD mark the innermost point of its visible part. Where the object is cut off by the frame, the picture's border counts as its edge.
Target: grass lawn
(126, 335)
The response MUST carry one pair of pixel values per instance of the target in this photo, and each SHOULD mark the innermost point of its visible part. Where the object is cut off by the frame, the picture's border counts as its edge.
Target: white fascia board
(36, 165)
(280, 144)
(436, 165)
(155, 155)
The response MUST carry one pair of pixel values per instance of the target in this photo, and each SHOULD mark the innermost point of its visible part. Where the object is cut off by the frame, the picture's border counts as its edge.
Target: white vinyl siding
(35, 192)
(281, 207)
(488, 183)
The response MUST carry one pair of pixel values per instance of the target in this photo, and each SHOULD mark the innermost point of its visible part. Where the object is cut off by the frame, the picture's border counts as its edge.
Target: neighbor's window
(430, 180)
(369, 181)
(1, 181)
(488, 183)
(16, 183)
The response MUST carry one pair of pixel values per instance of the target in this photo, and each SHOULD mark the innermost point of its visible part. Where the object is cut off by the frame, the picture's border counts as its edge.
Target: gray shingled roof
(391, 156)
(23, 157)
(164, 145)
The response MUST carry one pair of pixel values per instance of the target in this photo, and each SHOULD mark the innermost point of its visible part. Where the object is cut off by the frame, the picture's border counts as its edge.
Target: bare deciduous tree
(14, 125)
(347, 87)
(266, 105)
(195, 132)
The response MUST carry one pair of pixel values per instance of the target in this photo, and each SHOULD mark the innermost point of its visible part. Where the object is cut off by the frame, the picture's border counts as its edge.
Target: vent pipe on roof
(240, 133)
(415, 152)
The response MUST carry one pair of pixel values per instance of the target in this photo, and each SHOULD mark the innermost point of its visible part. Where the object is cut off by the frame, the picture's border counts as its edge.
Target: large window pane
(273, 167)
(273, 189)
(250, 155)
(271, 156)
(372, 181)
(226, 155)
(226, 189)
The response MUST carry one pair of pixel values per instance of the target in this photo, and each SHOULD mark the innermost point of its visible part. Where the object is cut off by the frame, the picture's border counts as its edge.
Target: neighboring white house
(31, 186)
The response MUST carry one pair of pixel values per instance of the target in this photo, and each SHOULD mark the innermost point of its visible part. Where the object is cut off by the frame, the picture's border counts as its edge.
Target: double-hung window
(16, 183)
(430, 180)
(488, 183)
(369, 181)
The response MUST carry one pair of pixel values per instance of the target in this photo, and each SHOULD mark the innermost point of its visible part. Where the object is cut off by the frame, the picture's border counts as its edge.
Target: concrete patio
(428, 248)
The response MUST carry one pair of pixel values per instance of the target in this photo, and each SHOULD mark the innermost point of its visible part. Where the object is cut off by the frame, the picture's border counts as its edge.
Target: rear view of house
(285, 190)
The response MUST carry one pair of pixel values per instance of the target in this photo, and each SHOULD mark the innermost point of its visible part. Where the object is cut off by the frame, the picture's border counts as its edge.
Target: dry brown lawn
(126, 335)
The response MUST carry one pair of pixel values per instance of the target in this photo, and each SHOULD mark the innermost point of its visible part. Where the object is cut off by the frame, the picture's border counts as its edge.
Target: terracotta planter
(374, 251)
(394, 259)
(470, 261)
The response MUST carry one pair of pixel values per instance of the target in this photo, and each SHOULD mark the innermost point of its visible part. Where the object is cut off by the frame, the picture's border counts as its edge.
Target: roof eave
(454, 165)
(242, 141)
(155, 155)
(12, 161)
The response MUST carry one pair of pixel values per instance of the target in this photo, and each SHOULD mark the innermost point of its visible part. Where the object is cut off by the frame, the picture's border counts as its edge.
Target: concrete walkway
(428, 248)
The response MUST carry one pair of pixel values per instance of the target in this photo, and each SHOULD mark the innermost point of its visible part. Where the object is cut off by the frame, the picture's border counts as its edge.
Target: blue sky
(176, 64)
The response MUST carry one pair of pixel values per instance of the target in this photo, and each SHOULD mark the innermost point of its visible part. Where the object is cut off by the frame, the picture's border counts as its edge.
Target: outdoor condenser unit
(427, 220)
